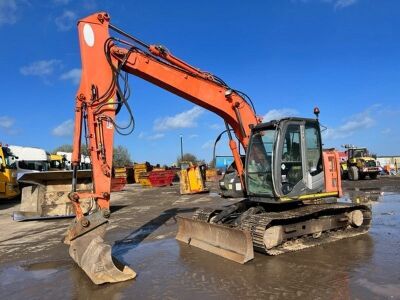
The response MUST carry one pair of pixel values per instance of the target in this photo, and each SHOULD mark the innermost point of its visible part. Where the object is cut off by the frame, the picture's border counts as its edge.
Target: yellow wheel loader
(359, 165)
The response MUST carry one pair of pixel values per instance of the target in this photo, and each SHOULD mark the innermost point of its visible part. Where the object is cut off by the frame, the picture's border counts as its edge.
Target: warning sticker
(109, 125)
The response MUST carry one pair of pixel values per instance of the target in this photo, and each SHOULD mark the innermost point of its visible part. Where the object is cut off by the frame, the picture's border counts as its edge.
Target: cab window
(291, 166)
(259, 171)
(313, 149)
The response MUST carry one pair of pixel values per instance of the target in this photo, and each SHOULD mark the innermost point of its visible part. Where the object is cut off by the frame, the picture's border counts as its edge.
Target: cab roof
(277, 122)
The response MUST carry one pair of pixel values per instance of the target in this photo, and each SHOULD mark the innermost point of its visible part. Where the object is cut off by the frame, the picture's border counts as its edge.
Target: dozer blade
(93, 255)
(230, 243)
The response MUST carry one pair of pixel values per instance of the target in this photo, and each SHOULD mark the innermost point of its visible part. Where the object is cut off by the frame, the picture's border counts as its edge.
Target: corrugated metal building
(389, 160)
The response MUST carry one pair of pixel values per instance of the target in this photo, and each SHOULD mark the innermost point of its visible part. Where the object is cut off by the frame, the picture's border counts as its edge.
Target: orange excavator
(292, 185)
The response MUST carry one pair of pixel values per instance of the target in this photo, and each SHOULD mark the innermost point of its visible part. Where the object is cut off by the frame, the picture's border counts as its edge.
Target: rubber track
(257, 224)
(203, 214)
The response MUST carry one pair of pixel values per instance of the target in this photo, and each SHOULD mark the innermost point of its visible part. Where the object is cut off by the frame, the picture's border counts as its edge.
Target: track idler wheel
(356, 218)
(92, 254)
(273, 237)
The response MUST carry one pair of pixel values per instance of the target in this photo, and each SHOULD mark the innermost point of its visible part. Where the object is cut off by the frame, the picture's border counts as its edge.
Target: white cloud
(216, 126)
(7, 125)
(193, 136)
(65, 21)
(276, 114)
(150, 137)
(337, 4)
(6, 122)
(360, 121)
(344, 3)
(8, 12)
(155, 136)
(186, 119)
(208, 145)
(74, 75)
(40, 68)
(64, 129)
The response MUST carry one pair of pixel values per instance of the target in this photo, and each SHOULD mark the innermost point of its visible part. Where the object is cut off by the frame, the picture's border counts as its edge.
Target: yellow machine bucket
(45, 195)
(191, 181)
(230, 243)
(92, 254)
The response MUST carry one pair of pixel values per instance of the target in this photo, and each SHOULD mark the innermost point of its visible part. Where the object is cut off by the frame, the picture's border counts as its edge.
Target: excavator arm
(99, 99)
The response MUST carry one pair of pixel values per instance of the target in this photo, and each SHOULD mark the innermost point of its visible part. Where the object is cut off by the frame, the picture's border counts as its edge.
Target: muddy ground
(34, 264)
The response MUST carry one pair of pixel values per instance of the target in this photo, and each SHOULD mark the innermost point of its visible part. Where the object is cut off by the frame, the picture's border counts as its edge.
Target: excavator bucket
(45, 195)
(92, 254)
(192, 181)
(230, 243)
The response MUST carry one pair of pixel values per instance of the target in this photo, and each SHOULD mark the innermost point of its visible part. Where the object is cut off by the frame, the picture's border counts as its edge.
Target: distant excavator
(291, 185)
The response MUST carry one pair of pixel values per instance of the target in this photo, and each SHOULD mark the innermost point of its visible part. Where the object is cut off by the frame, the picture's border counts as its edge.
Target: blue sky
(288, 55)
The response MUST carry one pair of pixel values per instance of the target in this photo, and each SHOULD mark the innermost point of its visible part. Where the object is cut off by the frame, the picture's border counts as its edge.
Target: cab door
(314, 173)
(299, 158)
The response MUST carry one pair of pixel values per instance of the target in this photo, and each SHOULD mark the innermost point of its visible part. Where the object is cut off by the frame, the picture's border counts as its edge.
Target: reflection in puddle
(278, 276)
(364, 195)
(362, 267)
(29, 273)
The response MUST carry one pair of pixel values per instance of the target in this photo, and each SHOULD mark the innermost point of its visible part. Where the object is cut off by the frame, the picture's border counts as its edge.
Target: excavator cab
(284, 160)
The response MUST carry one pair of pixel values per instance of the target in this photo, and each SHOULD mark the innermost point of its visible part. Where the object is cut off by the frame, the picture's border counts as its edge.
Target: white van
(30, 159)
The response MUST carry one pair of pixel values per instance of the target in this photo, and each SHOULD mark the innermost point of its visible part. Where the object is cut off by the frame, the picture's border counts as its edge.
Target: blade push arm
(99, 95)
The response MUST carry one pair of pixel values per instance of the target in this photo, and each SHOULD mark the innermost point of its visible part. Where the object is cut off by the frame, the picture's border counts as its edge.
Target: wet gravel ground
(34, 264)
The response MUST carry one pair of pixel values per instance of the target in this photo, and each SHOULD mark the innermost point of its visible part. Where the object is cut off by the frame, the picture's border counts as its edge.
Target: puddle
(387, 214)
(363, 195)
(362, 267)
(169, 269)
(384, 290)
(29, 280)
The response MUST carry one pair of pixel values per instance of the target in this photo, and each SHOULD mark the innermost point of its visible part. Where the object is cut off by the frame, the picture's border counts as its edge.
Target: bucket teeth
(93, 255)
